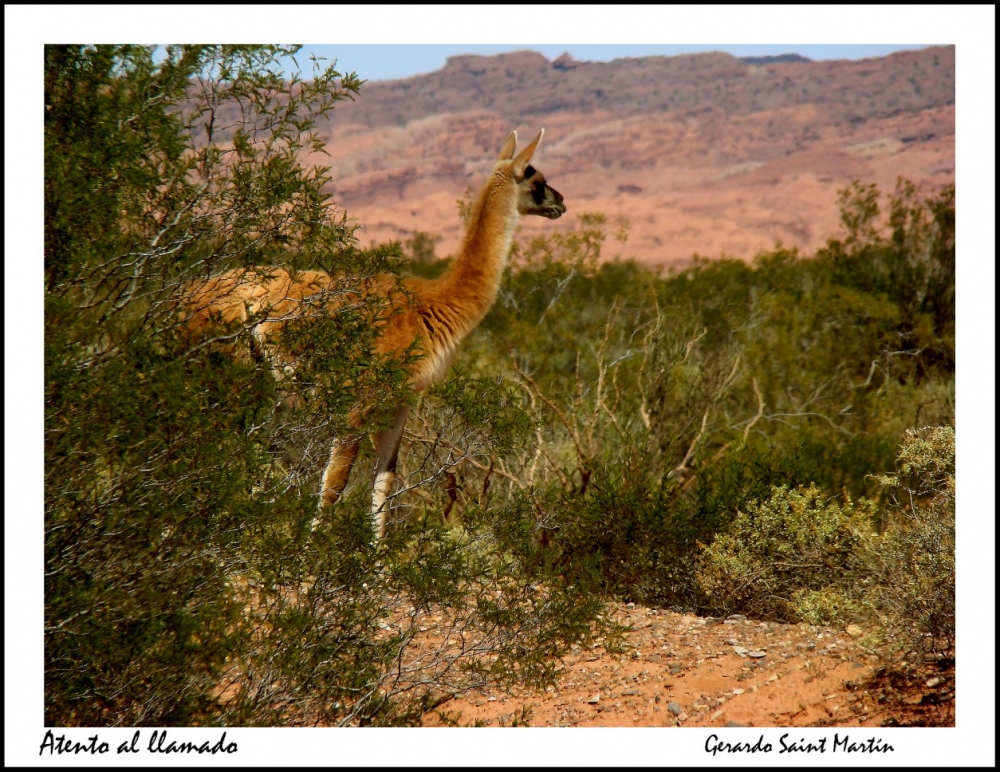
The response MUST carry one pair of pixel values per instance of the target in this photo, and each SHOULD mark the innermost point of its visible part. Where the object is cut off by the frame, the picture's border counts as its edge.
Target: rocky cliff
(703, 153)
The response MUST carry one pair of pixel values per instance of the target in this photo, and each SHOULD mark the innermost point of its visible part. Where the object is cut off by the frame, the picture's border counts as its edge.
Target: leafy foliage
(913, 563)
(695, 438)
(801, 557)
(184, 582)
(792, 548)
(157, 453)
(666, 404)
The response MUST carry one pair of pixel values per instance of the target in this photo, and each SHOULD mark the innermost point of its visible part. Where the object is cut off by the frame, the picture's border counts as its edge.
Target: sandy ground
(682, 670)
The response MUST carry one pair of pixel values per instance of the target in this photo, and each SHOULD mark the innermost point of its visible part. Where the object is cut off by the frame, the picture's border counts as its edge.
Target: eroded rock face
(701, 153)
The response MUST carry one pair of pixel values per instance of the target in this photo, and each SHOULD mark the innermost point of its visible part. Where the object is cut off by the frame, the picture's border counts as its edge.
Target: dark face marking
(547, 201)
(538, 191)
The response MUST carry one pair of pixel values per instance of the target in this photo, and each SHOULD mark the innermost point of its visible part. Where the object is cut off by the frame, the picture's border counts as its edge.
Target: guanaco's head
(534, 196)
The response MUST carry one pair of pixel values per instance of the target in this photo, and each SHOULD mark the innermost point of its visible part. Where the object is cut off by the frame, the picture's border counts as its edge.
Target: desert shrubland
(772, 437)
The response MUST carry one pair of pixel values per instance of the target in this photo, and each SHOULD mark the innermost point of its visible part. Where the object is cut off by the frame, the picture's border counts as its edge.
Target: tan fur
(439, 313)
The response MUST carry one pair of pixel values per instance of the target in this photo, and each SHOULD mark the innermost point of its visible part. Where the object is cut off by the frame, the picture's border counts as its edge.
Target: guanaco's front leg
(387, 450)
(338, 469)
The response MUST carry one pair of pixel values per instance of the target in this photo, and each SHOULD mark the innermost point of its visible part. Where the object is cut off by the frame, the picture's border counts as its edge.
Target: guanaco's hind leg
(387, 449)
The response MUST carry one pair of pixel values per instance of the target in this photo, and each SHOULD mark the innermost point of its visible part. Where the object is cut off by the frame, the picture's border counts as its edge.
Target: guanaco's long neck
(473, 280)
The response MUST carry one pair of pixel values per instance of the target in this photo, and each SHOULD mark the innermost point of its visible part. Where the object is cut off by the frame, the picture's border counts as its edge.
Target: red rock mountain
(704, 153)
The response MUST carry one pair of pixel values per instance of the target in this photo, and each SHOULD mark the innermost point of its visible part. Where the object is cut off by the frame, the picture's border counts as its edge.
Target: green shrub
(158, 453)
(608, 422)
(912, 565)
(799, 556)
(664, 404)
(183, 581)
(787, 555)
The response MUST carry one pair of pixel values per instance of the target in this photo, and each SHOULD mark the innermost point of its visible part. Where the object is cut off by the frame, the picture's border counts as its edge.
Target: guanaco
(435, 314)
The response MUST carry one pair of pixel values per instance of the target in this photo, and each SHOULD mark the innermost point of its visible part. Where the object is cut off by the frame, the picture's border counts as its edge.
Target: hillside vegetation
(773, 438)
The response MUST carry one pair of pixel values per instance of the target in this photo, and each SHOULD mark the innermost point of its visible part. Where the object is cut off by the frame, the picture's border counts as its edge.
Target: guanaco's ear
(524, 157)
(507, 151)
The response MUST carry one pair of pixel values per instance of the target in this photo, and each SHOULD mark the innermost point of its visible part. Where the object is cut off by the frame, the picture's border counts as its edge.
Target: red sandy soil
(682, 670)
